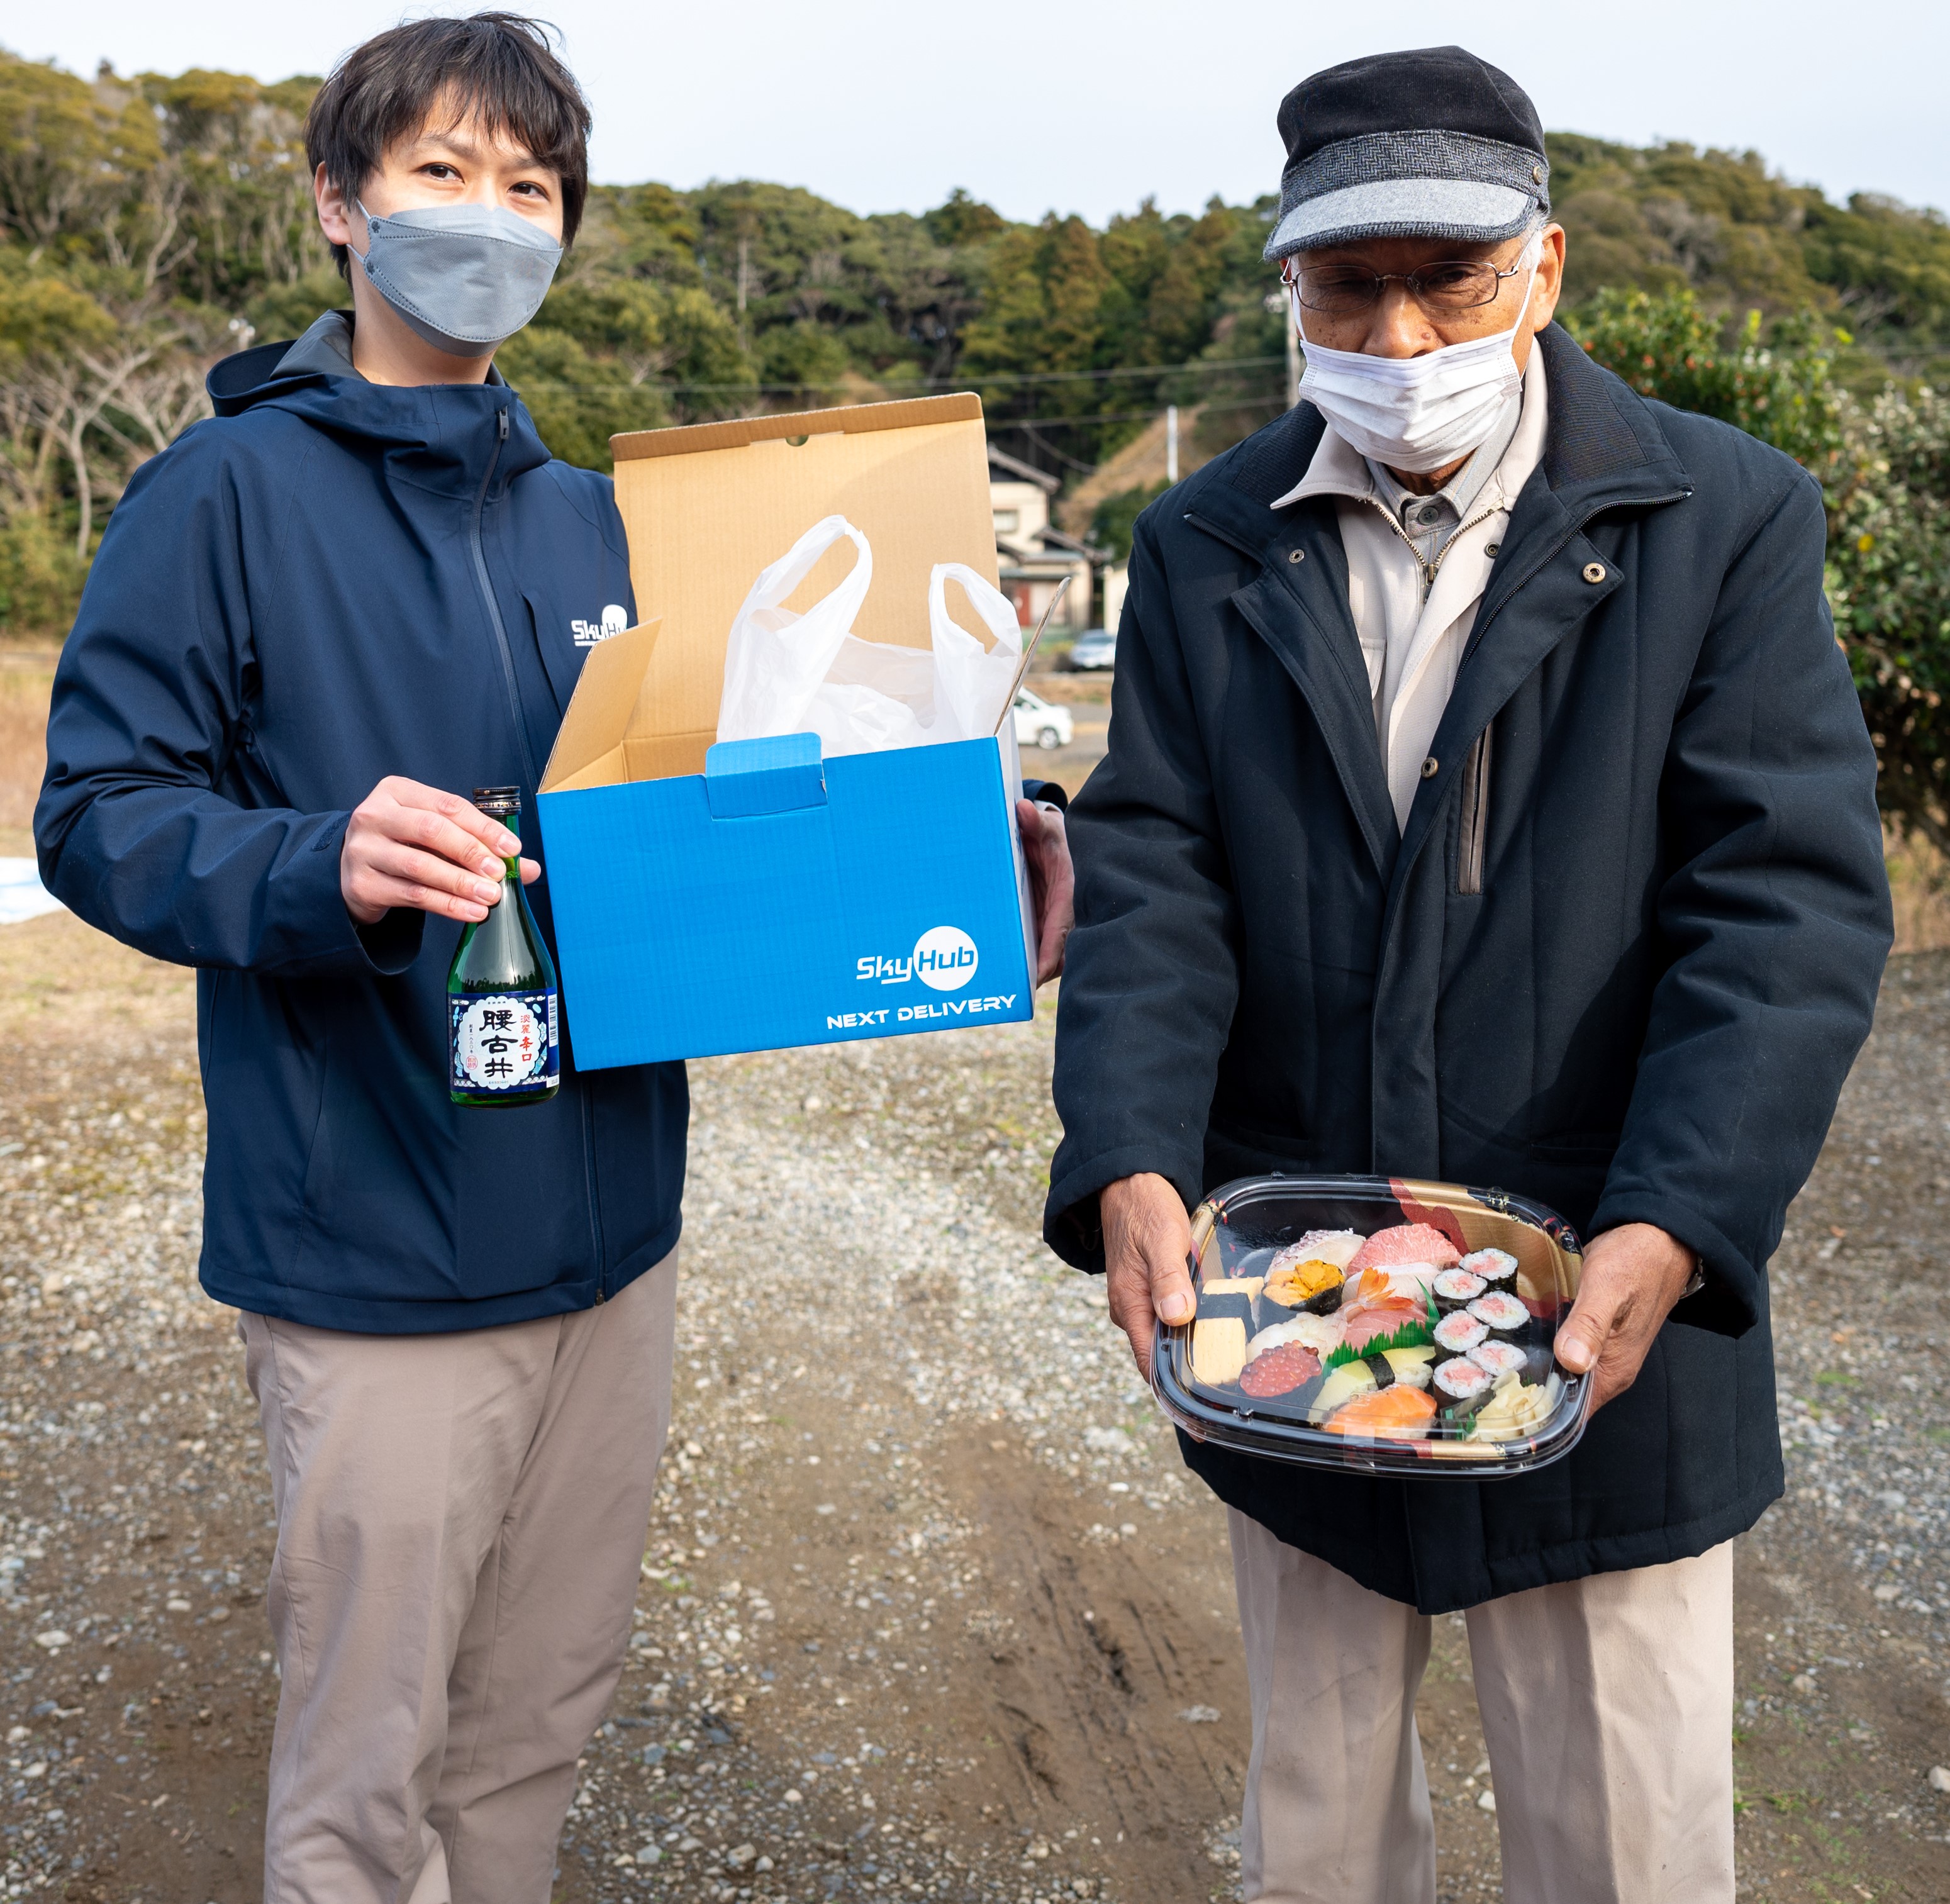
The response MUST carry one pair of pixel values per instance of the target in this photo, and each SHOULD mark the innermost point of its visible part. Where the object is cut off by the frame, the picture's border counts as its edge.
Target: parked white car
(1041, 724)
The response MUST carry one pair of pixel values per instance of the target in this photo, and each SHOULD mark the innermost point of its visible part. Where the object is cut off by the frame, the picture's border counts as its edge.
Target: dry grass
(26, 678)
(1920, 884)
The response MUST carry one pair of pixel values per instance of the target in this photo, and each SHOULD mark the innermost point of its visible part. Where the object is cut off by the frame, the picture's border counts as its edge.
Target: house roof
(1018, 471)
(1052, 533)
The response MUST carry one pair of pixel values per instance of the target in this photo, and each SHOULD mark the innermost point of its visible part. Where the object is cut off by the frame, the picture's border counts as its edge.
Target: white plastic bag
(810, 673)
(875, 697)
(970, 683)
(775, 660)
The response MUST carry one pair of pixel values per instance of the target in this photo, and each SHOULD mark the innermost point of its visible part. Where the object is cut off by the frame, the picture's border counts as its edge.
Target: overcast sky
(1089, 105)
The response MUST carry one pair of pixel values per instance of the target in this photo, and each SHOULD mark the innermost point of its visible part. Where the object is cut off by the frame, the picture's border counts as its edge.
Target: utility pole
(1171, 443)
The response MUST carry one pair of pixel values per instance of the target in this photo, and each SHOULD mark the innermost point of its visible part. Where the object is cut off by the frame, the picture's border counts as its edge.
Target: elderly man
(1486, 801)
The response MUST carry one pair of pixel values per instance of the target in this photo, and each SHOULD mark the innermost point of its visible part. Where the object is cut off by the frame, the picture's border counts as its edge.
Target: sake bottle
(501, 1042)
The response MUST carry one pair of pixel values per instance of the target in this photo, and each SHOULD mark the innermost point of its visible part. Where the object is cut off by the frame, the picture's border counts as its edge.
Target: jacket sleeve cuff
(392, 941)
(1048, 791)
(337, 943)
(1072, 1225)
(1729, 1303)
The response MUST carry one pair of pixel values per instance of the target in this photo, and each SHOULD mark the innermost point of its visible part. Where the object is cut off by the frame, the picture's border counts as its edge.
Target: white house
(1032, 553)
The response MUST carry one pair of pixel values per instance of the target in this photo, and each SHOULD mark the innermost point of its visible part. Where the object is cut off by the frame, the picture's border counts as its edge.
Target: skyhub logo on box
(944, 958)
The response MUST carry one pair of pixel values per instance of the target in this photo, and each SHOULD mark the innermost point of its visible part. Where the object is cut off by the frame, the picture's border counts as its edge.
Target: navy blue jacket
(1620, 960)
(329, 582)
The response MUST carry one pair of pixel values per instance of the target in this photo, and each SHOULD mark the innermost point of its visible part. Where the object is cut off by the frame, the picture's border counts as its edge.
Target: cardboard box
(752, 896)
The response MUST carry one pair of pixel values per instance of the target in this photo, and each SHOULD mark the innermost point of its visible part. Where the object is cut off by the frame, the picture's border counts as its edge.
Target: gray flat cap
(1435, 143)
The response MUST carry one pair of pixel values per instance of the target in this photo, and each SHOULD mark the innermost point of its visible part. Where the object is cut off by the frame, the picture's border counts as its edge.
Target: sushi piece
(1231, 1286)
(1497, 1267)
(1455, 1289)
(1280, 1371)
(1321, 1334)
(1499, 1357)
(1412, 1366)
(1406, 1243)
(1411, 1281)
(1389, 1324)
(1334, 1246)
(1313, 1284)
(1214, 1304)
(1502, 1315)
(1460, 1387)
(1399, 1413)
(1342, 1385)
(1457, 1334)
(1218, 1350)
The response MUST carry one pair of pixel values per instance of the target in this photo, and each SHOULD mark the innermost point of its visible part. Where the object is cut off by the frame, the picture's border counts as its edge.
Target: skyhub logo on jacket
(588, 634)
(944, 959)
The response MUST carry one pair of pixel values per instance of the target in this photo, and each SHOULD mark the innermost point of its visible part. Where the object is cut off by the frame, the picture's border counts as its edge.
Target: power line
(1034, 423)
(1200, 366)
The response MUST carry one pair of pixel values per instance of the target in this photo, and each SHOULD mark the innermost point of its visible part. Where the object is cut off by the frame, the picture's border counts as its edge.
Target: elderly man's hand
(1632, 1277)
(1147, 1254)
(1052, 882)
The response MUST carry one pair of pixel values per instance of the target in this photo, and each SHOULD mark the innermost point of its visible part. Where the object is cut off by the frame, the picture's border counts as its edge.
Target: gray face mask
(465, 277)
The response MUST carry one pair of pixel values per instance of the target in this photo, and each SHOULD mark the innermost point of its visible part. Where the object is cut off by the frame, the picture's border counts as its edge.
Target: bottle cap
(498, 800)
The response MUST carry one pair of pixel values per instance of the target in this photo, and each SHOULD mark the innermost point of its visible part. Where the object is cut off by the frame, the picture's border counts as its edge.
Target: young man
(1486, 801)
(315, 623)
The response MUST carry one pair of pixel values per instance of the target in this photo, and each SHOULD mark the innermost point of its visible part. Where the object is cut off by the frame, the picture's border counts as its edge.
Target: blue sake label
(503, 1041)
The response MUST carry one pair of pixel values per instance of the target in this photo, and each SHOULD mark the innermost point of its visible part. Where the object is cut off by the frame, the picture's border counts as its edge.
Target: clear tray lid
(1377, 1323)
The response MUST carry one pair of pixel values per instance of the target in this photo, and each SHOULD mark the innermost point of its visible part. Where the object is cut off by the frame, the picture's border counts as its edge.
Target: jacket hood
(445, 438)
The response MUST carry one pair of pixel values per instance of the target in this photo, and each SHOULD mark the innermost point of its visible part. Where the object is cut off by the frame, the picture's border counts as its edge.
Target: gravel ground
(928, 1607)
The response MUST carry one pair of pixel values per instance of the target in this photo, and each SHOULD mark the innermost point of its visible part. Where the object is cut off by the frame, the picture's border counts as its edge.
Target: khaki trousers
(1607, 1706)
(461, 1521)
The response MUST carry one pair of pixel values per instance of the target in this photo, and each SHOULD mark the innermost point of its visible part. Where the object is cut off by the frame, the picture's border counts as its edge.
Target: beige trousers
(1607, 1706)
(460, 1525)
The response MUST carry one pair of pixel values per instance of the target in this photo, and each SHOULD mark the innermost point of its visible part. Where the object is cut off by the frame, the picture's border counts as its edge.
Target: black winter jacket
(1619, 961)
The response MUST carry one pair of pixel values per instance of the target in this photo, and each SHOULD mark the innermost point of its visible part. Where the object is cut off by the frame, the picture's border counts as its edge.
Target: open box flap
(707, 506)
(591, 745)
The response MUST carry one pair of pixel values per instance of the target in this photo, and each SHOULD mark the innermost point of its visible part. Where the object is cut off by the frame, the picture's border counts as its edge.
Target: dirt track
(930, 1608)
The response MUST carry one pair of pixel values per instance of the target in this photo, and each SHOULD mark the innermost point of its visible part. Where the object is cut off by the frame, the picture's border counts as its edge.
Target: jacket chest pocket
(1472, 836)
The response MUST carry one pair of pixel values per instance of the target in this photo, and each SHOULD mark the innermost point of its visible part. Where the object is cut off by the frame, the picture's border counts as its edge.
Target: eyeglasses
(1346, 290)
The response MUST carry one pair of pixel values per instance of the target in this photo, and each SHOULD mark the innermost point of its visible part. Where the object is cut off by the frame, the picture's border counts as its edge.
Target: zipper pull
(501, 423)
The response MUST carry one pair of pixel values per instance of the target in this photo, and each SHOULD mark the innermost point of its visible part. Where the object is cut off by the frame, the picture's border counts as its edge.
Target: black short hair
(498, 66)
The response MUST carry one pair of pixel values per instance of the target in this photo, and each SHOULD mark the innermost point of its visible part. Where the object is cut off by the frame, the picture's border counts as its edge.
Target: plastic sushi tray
(1378, 1324)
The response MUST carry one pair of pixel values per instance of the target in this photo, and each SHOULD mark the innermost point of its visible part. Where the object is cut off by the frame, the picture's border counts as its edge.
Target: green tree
(1888, 581)
(1771, 380)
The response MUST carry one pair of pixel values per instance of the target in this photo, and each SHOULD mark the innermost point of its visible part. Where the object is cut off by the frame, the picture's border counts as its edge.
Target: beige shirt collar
(1414, 619)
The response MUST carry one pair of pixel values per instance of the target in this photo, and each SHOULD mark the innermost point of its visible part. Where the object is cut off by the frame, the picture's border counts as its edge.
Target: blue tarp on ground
(22, 895)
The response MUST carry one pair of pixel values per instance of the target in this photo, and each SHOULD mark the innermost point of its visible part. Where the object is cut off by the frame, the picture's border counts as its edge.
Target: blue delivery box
(753, 895)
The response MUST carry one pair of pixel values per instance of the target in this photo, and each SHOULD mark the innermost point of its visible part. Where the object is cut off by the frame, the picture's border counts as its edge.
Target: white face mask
(1417, 413)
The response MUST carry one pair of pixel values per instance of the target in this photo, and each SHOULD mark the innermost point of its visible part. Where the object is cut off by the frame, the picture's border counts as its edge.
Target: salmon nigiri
(1395, 1413)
